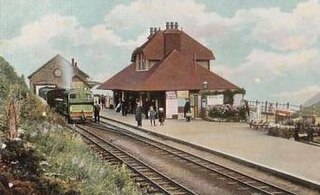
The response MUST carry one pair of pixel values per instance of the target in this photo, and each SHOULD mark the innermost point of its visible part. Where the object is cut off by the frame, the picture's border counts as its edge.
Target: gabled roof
(174, 72)
(82, 80)
(154, 47)
(60, 61)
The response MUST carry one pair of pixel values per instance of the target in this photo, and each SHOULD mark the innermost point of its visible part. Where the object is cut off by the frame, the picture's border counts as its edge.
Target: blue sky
(269, 47)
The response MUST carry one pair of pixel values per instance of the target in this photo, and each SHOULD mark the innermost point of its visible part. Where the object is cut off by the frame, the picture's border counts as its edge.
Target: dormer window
(141, 63)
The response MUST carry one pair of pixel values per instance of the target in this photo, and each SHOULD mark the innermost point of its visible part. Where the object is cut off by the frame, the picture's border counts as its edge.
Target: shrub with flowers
(226, 112)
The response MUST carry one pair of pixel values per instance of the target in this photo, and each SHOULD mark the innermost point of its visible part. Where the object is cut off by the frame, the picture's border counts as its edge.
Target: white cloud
(257, 80)
(280, 30)
(43, 30)
(265, 64)
(289, 40)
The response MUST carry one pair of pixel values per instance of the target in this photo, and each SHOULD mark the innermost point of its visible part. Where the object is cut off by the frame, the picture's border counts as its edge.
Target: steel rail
(158, 180)
(234, 175)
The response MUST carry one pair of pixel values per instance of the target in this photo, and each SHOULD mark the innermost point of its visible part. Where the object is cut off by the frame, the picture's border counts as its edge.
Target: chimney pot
(167, 25)
(171, 25)
(151, 30)
(72, 61)
(76, 64)
(176, 25)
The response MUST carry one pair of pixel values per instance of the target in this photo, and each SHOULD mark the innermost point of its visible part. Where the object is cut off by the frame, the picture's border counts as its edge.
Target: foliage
(11, 85)
(309, 111)
(21, 159)
(47, 159)
(32, 108)
(227, 94)
(228, 113)
(72, 163)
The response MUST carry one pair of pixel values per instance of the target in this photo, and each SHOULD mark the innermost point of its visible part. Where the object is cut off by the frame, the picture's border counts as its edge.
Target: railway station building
(167, 70)
(59, 73)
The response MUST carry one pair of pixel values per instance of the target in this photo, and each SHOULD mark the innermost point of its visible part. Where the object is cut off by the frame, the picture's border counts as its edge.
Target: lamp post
(205, 85)
(204, 99)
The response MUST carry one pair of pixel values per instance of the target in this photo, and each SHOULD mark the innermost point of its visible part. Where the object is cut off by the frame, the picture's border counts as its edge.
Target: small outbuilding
(59, 73)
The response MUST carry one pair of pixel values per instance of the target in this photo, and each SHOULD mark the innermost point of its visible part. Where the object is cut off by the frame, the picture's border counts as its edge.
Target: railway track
(152, 181)
(239, 180)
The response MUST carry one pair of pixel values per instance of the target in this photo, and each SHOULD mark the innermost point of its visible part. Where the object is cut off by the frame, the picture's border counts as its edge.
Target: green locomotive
(76, 105)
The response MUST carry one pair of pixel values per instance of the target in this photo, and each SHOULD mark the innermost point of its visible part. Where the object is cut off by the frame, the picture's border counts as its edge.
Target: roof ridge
(210, 51)
(45, 64)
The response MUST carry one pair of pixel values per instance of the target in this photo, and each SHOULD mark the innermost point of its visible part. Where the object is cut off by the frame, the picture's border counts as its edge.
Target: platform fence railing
(269, 107)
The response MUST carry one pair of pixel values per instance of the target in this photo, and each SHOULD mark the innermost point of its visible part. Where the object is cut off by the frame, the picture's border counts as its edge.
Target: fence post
(266, 111)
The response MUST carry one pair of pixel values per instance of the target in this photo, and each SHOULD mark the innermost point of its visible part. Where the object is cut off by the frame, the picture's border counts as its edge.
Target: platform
(240, 142)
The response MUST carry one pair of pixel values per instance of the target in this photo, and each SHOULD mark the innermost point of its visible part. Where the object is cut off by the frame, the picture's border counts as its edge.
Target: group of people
(152, 115)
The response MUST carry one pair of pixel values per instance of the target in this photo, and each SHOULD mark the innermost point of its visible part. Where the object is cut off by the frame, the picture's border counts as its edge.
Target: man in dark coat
(124, 107)
(96, 108)
(187, 110)
(146, 107)
(138, 115)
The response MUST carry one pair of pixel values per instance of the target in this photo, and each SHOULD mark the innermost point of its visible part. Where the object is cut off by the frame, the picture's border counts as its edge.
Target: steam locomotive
(74, 104)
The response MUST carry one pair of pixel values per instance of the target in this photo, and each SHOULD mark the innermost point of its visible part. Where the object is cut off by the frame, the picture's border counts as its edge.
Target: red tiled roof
(156, 46)
(174, 72)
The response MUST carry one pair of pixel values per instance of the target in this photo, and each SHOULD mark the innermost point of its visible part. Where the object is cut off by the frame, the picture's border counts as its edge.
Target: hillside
(313, 100)
(310, 110)
(39, 155)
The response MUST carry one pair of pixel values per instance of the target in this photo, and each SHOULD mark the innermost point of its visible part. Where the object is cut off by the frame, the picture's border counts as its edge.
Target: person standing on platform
(96, 109)
(152, 114)
(103, 102)
(187, 110)
(146, 107)
(138, 114)
(161, 116)
(124, 108)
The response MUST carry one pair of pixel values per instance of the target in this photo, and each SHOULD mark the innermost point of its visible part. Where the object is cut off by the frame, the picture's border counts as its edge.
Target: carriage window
(88, 96)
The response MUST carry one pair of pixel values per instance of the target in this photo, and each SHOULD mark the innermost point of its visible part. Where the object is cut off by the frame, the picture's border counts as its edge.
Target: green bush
(73, 164)
(228, 113)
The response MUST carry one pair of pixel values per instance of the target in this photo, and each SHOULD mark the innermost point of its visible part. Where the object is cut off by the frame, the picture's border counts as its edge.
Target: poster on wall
(171, 104)
(237, 100)
(182, 96)
(213, 100)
